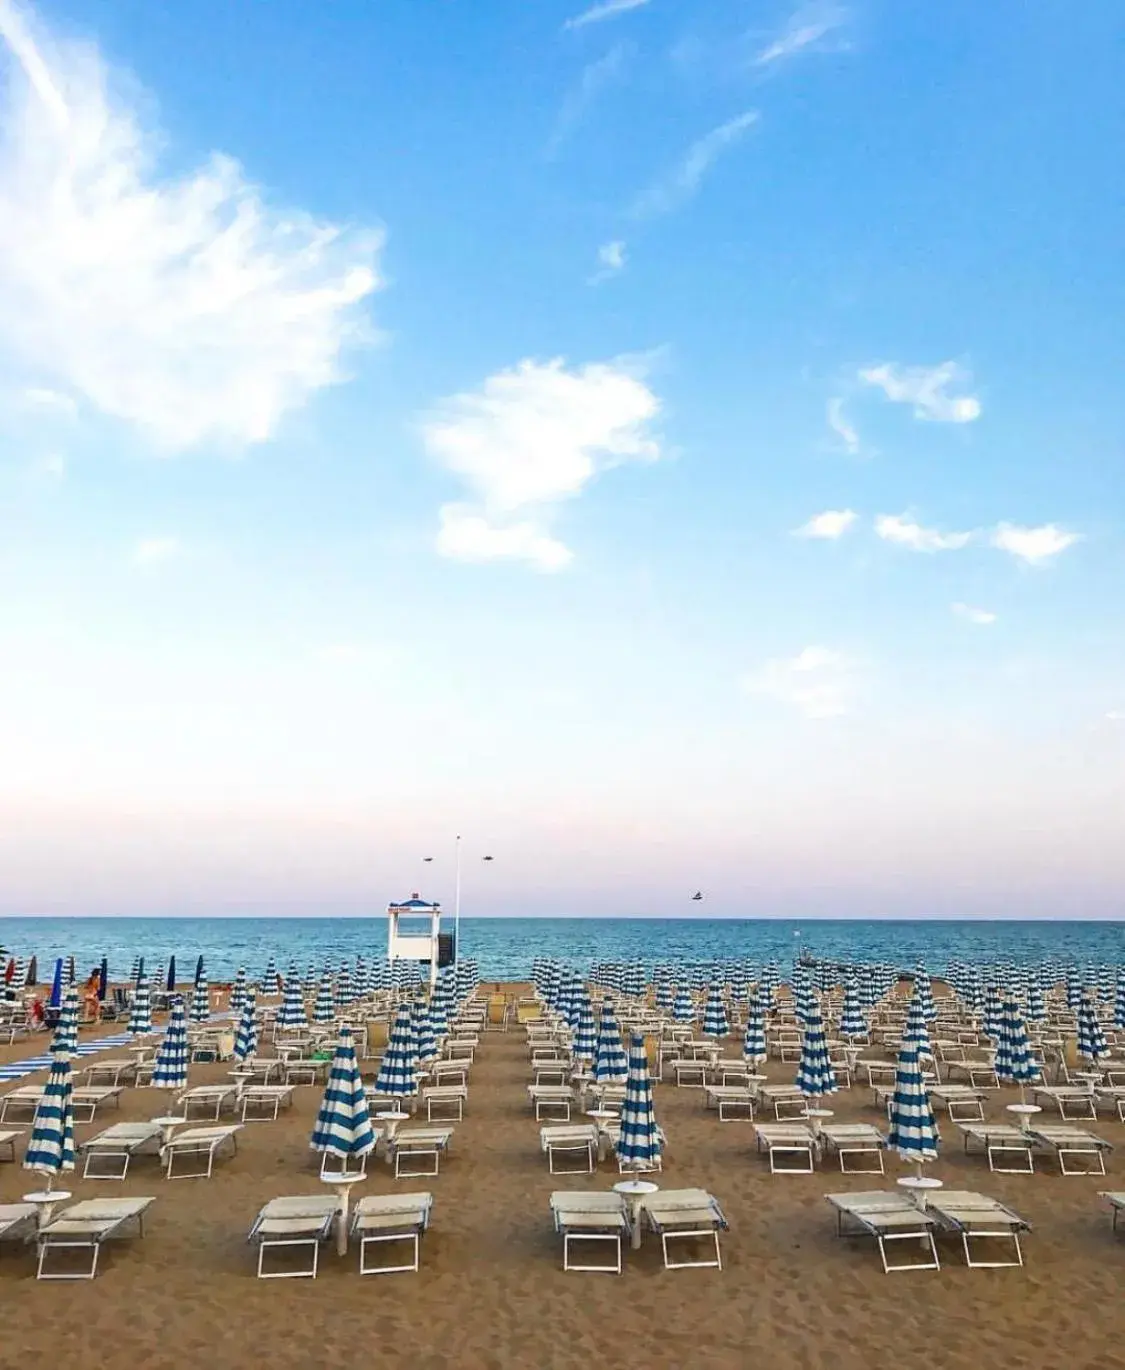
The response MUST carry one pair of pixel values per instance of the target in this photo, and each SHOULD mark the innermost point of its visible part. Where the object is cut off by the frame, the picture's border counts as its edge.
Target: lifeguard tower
(414, 934)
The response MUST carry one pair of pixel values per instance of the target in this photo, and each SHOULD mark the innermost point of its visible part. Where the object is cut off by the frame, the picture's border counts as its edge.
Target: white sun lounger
(264, 1102)
(115, 1147)
(1072, 1101)
(963, 1103)
(685, 1215)
(110, 1071)
(977, 1218)
(550, 1097)
(86, 1098)
(570, 1139)
(381, 1218)
(8, 1139)
(17, 1222)
(295, 1222)
(84, 1227)
(737, 1101)
(856, 1140)
(207, 1142)
(445, 1097)
(1069, 1142)
(888, 1218)
(209, 1098)
(1115, 1199)
(417, 1151)
(787, 1101)
(795, 1140)
(1000, 1140)
(590, 1218)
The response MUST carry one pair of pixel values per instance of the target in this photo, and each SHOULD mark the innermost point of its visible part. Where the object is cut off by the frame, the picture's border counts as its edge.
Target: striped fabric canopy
(992, 1008)
(246, 1038)
(171, 1068)
(638, 1146)
(238, 991)
(815, 1075)
(271, 981)
(585, 1046)
(1119, 1002)
(1014, 1062)
(610, 1064)
(291, 1014)
(916, 1031)
(66, 1034)
(714, 1013)
(200, 999)
(852, 1021)
(683, 1010)
(398, 1071)
(924, 992)
(754, 1041)
(50, 1149)
(324, 1010)
(140, 1018)
(343, 1123)
(913, 1132)
(425, 1042)
(1036, 1007)
(1091, 1038)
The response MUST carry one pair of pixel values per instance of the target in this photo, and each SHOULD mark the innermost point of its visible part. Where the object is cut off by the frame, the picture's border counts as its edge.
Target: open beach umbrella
(66, 1033)
(324, 1009)
(398, 1071)
(238, 991)
(1014, 1062)
(200, 998)
(170, 1070)
(754, 1041)
(1091, 1039)
(57, 985)
(913, 1132)
(50, 1149)
(425, 1042)
(246, 1038)
(291, 1014)
(343, 1122)
(714, 1013)
(140, 1017)
(611, 1066)
(638, 1146)
(170, 983)
(815, 1076)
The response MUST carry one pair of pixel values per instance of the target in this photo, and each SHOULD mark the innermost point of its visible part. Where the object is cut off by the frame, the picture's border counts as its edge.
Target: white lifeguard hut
(414, 933)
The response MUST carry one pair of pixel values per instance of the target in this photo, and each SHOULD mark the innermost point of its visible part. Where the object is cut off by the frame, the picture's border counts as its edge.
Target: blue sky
(675, 445)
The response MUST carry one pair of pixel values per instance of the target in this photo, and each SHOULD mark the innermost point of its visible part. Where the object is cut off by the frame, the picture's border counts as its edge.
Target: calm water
(504, 947)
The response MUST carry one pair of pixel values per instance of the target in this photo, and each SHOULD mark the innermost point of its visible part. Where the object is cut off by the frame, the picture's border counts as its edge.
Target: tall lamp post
(457, 894)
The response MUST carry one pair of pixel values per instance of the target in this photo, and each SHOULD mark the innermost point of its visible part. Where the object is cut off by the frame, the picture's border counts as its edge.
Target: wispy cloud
(594, 78)
(1033, 545)
(41, 397)
(49, 468)
(981, 617)
(817, 681)
(902, 530)
(684, 180)
(184, 305)
(832, 524)
(925, 389)
(611, 261)
(152, 550)
(608, 9)
(529, 439)
(806, 28)
(841, 426)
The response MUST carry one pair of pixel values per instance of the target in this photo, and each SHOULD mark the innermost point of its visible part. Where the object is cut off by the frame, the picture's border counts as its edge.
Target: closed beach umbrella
(992, 1006)
(238, 991)
(665, 995)
(170, 983)
(638, 1146)
(199, 974)
(291, 1014)
(170, 1070)
(715, 1014)
(585, 1046)
(441, 1008)
(140, 1018)
(344, 992)
(51, 1147)
(852, 1021)
(815, 1076)
(271, 982)
(924, 992)
(139, 970)
(1119, 1002)
(66, 1034)
(425, 1042)
(1014, 1062)
(324, 1010)
(916, 1029)
(343, 1122)
(398, 1071)
(1036, 1007)
(200, 998)
(913, 1132)
(57, 985)
(32, 973)
(1091, 1039)
(683, 1010)
(754, 1041)
(611, 1067)
(246, 1039)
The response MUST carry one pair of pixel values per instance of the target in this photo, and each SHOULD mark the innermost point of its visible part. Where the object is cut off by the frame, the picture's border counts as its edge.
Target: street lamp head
(486, 858)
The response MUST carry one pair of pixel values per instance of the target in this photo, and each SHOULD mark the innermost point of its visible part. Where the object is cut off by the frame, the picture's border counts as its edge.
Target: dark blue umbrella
(198, 970)
(103, 979)
(33, 971)
(56, 985)
(170, 984)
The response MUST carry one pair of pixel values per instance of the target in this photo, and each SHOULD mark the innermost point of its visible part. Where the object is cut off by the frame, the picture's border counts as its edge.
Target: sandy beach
(491, 1291)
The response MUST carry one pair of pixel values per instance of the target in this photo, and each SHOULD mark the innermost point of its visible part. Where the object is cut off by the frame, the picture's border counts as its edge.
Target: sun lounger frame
(970, 1223)
(685, 1215)
(195, 1142)
(121, 1148)
(781, 1139)
(72, 1230)
(872, 1222)
(382, 1219)
(287, 1227)
(1082, 1144)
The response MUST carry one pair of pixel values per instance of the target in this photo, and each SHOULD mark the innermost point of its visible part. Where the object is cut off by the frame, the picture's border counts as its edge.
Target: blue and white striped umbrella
(665, 995)
(715, 1014)
(913, 1132)
(916, 1029)
(140, 1018)
(924, 991)
(343, 1122)
(992, 1007)
(585, 1046)
(852, 1021)
(398, 1071)
(638, 1147)
(170, 1070)
(343, 987)
(246, 1039)
(291, 1014)
(50, 1149)
(238, 991)
(683, 1010)
(66, 1034)
(1014, 1062)
(441, 1008)
(1119, 1002)
(611, 1066)
(1036, 1006)
(1091, 1038)
(200, 999)
(324, 1010)
(425, 1042)
(754, 1040)
(271, 981)
(815, 1075)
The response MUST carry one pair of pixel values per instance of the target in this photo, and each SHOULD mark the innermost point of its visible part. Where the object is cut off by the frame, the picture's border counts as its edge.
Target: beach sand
(491, 1291)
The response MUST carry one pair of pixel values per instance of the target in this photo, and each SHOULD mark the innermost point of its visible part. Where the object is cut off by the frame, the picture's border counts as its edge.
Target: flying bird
(698, 894)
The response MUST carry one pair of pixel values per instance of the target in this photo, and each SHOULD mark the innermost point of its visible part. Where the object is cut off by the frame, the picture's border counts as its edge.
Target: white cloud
(807, 26)
(49, 467)
(528, 439)
(903, 531)
(833, 523)
(841, 426)
(149, 551)
(42, 397)
(183, 304)
(982, 617)
(594, 78)
(608, 9)
(686, 177)
(817, 681)
(1033, 545)
(1115, 716)
(612, 258)
(926, 389)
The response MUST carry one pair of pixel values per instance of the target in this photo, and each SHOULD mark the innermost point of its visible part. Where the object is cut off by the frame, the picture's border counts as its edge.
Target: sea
(504, 948)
